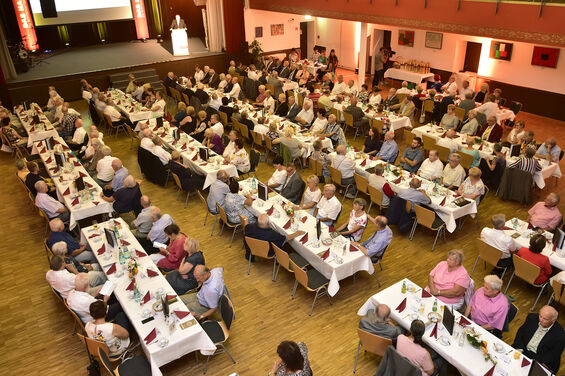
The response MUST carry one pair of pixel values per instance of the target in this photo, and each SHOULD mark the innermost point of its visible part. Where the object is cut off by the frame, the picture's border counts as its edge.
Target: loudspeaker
(48, 8)
(472, 57)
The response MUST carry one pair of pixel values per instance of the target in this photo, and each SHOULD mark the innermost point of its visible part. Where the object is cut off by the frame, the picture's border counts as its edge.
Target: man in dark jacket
(293, 187)
(282, 110)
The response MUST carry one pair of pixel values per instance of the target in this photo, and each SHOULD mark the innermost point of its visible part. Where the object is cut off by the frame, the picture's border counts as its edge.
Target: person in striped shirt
(527, 162)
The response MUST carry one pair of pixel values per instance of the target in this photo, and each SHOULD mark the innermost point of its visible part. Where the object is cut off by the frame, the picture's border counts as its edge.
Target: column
(362, 54)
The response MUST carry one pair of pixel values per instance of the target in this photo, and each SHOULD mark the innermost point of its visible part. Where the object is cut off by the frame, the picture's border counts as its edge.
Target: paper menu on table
(107, 288)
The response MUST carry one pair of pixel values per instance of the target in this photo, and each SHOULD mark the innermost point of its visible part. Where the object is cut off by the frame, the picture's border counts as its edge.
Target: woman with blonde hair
(449, 280)
(188, 123)
(183, 280)
(312, 194)
(294, 146)
(473, 187)
(482, 94)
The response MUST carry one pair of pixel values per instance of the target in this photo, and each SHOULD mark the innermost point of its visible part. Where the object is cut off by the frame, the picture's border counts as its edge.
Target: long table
(467, 359)
(180, 341)
(35, 132)
(405, 75)
(339, 265)
(128, 106)
(391, 120)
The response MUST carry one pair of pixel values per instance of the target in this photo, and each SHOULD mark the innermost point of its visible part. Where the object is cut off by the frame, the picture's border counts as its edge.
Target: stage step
(121, 80)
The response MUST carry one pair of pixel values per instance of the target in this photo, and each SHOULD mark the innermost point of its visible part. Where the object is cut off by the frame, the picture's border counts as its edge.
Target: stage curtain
(5, 60)
(64, 34)
(216, 32)
(155, 15)
(101, 29)
(234, 25)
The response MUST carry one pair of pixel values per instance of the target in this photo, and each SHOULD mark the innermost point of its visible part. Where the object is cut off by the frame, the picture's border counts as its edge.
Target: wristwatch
(439, 292)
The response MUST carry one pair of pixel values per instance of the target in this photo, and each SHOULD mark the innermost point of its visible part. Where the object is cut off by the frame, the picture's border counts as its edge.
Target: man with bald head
(414, 194)
(389, 150)
(117, 183)
(375, 246)
(346, 166)
(392, 98)
(79, 300)
(542, 338)
(143, 222)
(51, 207)
(218, 191)
(549, 150)
(377, 321)
(79, 136)
(545, 214)
(491, 131)
(74, 248)
(262, 230)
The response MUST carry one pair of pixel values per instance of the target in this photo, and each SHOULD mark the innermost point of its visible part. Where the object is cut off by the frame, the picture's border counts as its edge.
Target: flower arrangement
(289, 210)
(133, 268)
(475, 340)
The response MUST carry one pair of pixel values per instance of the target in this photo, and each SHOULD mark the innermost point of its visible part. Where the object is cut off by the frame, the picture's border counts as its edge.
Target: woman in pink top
(412, 348)
(170, 258)
(449, 279)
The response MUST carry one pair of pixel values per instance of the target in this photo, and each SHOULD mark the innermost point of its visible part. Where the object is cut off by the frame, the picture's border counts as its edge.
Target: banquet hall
(291, 188)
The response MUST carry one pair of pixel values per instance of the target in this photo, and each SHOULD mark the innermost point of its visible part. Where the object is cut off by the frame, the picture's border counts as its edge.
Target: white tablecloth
(392, 121)
(351, 262)
(125, 103)
(181, 341)
(289, 85)
(504, 114)
(89, 205)
(404, 75)
(35, 132)
(467, 359)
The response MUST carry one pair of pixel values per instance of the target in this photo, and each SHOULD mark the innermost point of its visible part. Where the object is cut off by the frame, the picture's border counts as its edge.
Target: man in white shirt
(104, 170)
(147, 140)
(78, 135)
(115, 116)
(100, 102)
(51, 207)
(306, 115)
(453, 173)
(351, 89)
(158, 108)
(164, 156)
(59, 278)
(448, 141)
(404, 89)
(497, 238)
(198, 74)
(328, 207)
(261, 129)
(214, 102)
(79, 300)
(432, 167)
(339, 86)
(465, 89)
(216, 125)
(450, 87)
(269, 102)
(490, 108)
(236, 89)
(347, 168)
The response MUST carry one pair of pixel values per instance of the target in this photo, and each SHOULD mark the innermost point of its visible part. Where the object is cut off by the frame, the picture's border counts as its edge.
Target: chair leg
(539, 295)
(294, 288)
(277, 272)
(435, 240)
(503, 273)
(474, 266)
(274, 269)
(178, 193)
(206, 217)
(227, 352)
(357, 356)
(314, 302)
(550, 298)
(232, 236)
(186, 201)
(413, 230)
(249, 264)
(214, 226)
(222, 230)
(377, 278)
(370, 204)
(509, 281)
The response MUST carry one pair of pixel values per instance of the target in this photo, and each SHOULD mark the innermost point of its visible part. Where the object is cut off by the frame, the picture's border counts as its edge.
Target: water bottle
(403, 290)
(126, 253)
(254, 184)
(434, 307)
(347, 151)
(121, 256)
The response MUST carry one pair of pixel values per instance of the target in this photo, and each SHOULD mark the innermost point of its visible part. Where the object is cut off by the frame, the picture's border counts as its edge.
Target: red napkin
(88, 184)
(93, 236)
(411, 175)
(195, 158)
(32, 122)
(75, 201)
(267, 121)
(150, 337)
(102, 249)
(203, 164)
(65, 147)
(271, 210)
(481, 147)
(281, 127)
(147, 122)
(371, 157)
(152, 273)
(32, 129)
(507, 228)
(147, 297)
(443, 201)
(181, 314)
(443, 135)
(131, 110)
(426, 294)
(463, 321)
(304, 219)
(56, 170)
(364, 163)
(140, 254)
(67, 192)
(397, 181)
(156, 127)
(82, 174)
(353, 248)
(304, 239)
(55, 142)
(530, 226)
(326, 254)
(77, 163)
(109, 95)
(331, 229)
(455, 195)
(401, 306)
(112, 269)
(163, 134)
(49, 160)
(490, 371)
(525, 362)
(124, 242)
(43, 151)
(169, 297)
(287, 226)
(95, 203)
(183, 147)
(131, 285)
(255, 115)
(367, 110)
(434, 331)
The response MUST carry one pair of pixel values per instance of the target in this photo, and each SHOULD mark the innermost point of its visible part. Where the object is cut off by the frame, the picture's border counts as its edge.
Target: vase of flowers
(133, 268)
(474, 339)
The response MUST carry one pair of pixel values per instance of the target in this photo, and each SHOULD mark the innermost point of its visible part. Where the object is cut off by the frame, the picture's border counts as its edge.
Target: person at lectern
(178, 23)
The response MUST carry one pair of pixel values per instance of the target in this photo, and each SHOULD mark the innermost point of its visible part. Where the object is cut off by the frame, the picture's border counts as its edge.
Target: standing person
(380, 61)
(332, 62)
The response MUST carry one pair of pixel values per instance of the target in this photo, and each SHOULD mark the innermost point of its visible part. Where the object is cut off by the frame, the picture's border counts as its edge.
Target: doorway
(303, 40)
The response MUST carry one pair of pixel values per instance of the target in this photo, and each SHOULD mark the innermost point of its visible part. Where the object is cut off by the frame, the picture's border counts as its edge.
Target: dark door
(387, 35)
(472, 57)
(303, 40)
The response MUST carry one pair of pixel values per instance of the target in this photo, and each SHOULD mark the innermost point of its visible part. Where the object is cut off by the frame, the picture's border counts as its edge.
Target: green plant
(255, 48)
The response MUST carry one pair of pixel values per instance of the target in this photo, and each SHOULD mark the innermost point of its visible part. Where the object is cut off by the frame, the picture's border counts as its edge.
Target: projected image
(60, 12)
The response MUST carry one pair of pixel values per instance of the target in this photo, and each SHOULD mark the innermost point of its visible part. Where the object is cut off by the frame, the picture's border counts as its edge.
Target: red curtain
(234, 25)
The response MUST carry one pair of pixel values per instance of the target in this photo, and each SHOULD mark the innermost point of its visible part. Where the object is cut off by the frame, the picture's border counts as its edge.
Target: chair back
(424, 216)
(378, 126)
(443, 152)
(525, 270)
(300, 274)
(466, 159)
(48, 251)
(244, 131)
(94, 345)
(282, 257)
(185, 98)
(108, 120)
(429, 142)
(257, 138)
(236, 124)
(268, 143)
(348, 119)
(227, 312)
(316, 166)
(254, 157)
(428, 105)
(129, 131)
(240, 80)
(373, 343)
(376, 195)
(177, 180)
(557, 290)
(335, 112)
(78, 321)
(223, 215)
(106, 361)
(361, 182)
(335, 175)
(223, 117)
(258, 247)
(488, 252)
(408, 137)
(460, 113)
(515, 107)
(271, 88)
(101, 117)
(300, 99)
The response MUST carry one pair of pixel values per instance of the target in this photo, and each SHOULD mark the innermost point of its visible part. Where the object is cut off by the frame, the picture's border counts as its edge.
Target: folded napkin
(111, 269)
(102, 249)
(481, 147)
(281, 127)
(372, 157)
(150, 337)
(304, 239)
(530, 226)
(367, 110)
(331, 228)
(56, 170)
(67, 191)
(271, 210)
(42, 151)
(93, 236)
(147, 297)
(119, 102)
(195, 158)
(426, 294)
(76, 163)
(88, 184)
(443, 135)
(287, 226)
(124, 242)
(82, 174)
(55, 142)
(132, 109)
(304, 219)
(507, 228)
(525, 362)
(401, 306)
(434, 331)
(32, 122)
(463, 321)
(203, 164)
(353, 248)
(75, 201)
(152, 273)
(109, 95)
(364, 163)
(326, 254)
(131, 285)
(183, 147)
(32, 129)
(171, 296)
(398, 181)
(490, 372)
(255, 115)
(147, 122)
(49, 160)
(65, 147)
(455, 195)
(95, 203)
(164, 134)
(443, 201)
(155, 128)
(140, 254)
(181, 314)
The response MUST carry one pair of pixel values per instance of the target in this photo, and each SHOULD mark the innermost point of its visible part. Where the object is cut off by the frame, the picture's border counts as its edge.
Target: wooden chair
(180, 188)
(401, 97)
(426, 218)
(376, 198)
(244, 131)
(271, 88)
(78, 322)
(460, 113)
(336, 179)
(268, 147)
(528, 272)
(316, 166)
(336, 113)
(207, 211)
(428, 106)
(408, 137)
(311, 280)
(259, 248)
(443, 152)
(466, 160)
(219, 331)
(429, 142)
(94, 346)
(48, 252)
(224, 219)
(16, 151)
(240, 80)
(378, 260)
(300, 99)
(256, 139)
(223, 118)
(362, 184)
(378, 126)
(557, 292)
(113, 126)
(349, 123)
(43, 215)
(236, 124)
(131, 135)
(136, 366)
(490, 255)
(283, 258)
(372, 343)
(102, 118)
(185, 99)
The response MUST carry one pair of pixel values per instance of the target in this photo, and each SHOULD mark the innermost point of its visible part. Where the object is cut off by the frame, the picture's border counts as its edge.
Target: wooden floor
(36, 331)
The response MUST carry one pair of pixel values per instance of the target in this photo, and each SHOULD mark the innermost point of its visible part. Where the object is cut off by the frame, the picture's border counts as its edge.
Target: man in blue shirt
(218, 191)
(206, 301)
(58, 234)
(389, 150)
(414, 194)
(376, 244)
(120, 173)
(549, 150)
(413, 156)
(262, 230)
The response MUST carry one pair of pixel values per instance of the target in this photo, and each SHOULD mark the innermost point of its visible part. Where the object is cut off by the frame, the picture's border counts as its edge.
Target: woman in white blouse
(278, 178)
(320, 123)
(229, 151)
(516, 134)
(240, 158)
(223, 82)
(375, 98)
(312, 194)
(114, 335)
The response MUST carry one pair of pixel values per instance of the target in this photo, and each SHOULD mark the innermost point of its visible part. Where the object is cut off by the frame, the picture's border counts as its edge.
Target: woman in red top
(170, 258)
(533, 255)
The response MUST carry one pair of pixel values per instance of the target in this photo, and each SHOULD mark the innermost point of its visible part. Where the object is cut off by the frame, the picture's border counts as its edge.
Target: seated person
(432, 167)
(22, 169)
(213, 141)
(549, 150)
(389, 149)
(488, 307)
(517, 133)
(413, 348)
(235, 205)
(293, 360)
(61, 279)
(79, 300)
(34, 176)
(293, 186)
(413, 156)
(449, 120)
(533, 255)
(158, 150)
(372, 143)
(497, 238)
(473, 187)
(527, 162)
(114, 334)
(469, 149)
(261, 230)
(449, 280)
(542, 338)
(240, 158)
(51, 207)
(332, 130)
(189, 180)
(58, 234)
(322, 157)
(375, 246)
(169, 258)
(278, 178)
(312, 194)
(453, 173)
(143, 222)
(346, 166)
(320, 123)
(377, 321)
(229, 150)
(205, 302)
(126, 199)
(355, 227)
(329, 207)
(378, 181)
(79, 137)
(545, 214)
(95, 273)
(218, 191)
(183, 280)
(471, 125)
(295, 147)
(491, 131)
(414, 194)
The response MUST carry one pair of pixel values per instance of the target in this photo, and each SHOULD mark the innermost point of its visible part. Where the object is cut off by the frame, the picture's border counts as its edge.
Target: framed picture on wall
(406, 38)
(500, 50)
(434, 40)
(545, 56)
(258, 31)
(277, 29)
